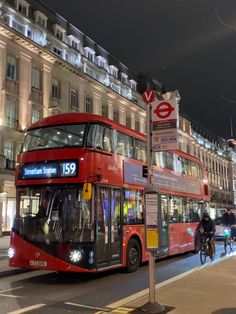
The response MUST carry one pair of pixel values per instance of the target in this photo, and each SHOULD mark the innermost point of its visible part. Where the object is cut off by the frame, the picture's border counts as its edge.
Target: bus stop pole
(149, 186)
(152, 306)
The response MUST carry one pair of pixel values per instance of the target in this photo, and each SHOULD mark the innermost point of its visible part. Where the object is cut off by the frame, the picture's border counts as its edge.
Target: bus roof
(76, 117)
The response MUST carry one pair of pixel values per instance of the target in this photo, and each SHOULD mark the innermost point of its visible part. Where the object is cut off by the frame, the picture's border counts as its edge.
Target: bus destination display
(50, 169)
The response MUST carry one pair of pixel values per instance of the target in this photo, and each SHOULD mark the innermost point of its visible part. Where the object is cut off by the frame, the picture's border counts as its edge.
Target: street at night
(117, 157)
(80, 293)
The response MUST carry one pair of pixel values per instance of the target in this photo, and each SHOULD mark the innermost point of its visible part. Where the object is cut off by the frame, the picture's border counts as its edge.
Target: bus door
(109, 232)
(163, 224)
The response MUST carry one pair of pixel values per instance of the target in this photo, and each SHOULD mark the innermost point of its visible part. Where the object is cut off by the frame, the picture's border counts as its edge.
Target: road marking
(27, 309)
(11, 289)
(3, 294)
(87, 306)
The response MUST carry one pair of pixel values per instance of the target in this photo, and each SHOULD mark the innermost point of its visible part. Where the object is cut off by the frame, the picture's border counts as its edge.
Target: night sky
(189, 45)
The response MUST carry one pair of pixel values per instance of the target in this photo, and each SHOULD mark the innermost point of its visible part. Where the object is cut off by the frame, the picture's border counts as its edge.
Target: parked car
(219, 235)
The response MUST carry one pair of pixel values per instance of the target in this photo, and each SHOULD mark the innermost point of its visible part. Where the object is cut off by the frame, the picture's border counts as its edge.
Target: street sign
(148, 96)
(151, 220)
(164, 125)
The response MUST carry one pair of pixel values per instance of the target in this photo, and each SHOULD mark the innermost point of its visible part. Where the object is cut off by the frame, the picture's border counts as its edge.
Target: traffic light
(145, 171)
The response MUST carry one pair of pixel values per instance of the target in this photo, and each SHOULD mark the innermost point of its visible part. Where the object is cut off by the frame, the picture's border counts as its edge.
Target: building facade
(48, 66)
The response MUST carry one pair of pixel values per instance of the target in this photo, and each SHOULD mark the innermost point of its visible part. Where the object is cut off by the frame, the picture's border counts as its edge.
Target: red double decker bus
(80, 197)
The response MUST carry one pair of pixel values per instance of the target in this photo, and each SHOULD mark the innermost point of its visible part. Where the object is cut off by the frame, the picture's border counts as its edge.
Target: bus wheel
(133, 256)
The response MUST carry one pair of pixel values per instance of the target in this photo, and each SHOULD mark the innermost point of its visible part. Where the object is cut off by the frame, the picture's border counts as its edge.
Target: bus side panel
(181, 237)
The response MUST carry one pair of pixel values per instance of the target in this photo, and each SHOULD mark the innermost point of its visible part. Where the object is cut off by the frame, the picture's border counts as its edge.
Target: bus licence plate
(38, 263)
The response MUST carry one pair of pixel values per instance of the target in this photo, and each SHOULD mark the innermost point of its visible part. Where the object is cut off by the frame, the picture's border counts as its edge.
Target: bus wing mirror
(87, 191)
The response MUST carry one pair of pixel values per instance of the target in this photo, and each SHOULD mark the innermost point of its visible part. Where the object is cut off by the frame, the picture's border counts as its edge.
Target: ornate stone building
(48, 66)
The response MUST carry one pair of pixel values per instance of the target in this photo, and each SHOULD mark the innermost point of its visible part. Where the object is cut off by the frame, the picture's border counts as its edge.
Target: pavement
(207, 289)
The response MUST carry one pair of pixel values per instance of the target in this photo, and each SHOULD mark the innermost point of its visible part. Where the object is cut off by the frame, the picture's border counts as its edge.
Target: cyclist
(228, 218)
(206, 229)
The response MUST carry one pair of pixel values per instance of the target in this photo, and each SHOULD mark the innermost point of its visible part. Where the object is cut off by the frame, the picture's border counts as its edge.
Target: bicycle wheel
(226, 244)
(202, 256)
(212, 251)
(231, 245)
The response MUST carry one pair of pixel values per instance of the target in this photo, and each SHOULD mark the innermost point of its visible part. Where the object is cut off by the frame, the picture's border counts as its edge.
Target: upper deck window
(54, 137)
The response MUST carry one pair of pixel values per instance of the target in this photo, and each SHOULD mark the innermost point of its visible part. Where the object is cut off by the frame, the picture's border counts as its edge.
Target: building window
(102, 62)
(19, 27)
(133, 85)
(9, 149)
(11, 67)
(89, 53)
(36, 78)
(88, 104)
(128, 121)
(11, 114)
(59, 32)
(113, 71)
(40, 19)
(124, 78)
(36, 115)
(116, 115)
(105, 110)
(74, 98)
(74, 44)
(137, 125)
(23, 7)
(57, 51)
(55, 88)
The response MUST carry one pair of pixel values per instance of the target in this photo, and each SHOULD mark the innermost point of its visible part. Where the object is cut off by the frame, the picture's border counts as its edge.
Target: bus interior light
(75, 256)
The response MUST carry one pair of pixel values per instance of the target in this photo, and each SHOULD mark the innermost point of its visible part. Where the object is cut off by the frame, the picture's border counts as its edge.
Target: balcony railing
(11, 86)
(12, 122)
(55, 103)
(36, 96)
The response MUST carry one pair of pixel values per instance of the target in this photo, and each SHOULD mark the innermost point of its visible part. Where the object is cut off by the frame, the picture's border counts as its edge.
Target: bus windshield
(54, 137)
(54, 215)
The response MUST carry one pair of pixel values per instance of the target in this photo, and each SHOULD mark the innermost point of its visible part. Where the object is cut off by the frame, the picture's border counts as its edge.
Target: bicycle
(228, 240)
(207, 248)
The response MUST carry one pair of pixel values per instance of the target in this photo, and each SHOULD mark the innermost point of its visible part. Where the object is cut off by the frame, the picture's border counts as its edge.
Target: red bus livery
(80, 196)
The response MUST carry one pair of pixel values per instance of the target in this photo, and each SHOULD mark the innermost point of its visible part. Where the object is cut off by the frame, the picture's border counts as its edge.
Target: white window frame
(59, 30)
(89, 53)
(102, 62)
(113, 70)
(124, 78)
(41, 19)
(72, 41)
(133, 85)
(24, 4)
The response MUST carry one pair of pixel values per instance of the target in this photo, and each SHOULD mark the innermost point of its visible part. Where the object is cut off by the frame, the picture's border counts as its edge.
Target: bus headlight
(75, 256)
(11, 252)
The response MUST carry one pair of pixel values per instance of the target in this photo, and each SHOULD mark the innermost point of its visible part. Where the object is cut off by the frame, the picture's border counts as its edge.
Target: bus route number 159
(69, 169)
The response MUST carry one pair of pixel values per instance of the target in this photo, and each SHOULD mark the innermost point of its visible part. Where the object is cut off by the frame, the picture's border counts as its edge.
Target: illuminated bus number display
(50, 169)
(68, 169)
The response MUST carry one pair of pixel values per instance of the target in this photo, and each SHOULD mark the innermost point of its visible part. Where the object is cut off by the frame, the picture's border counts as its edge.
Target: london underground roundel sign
(164, 110)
